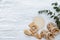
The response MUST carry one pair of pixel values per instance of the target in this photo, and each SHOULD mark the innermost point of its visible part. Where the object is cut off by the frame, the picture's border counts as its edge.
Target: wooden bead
(33, 26)
(55, 31)
(51, 26)
(49, 36)
(27, 32)
(38, 36)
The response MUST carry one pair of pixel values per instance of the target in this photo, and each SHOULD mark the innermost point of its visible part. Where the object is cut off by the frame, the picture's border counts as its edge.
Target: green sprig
(57, 9)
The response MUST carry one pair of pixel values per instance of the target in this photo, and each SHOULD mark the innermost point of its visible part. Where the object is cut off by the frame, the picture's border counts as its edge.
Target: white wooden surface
(15, 15)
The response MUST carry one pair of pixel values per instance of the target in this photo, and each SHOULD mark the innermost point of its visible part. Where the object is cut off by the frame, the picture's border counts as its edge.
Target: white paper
(16, 15)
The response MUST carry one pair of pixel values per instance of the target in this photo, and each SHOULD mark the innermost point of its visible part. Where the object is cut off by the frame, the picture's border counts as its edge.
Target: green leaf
(39, 12)
(52, 16)
(55, 4)
(55, 7)
(46, 10)
(58, 23)
(42, 11)
(50, 13)
(58, 14)
(56, 18)
(58, 9)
